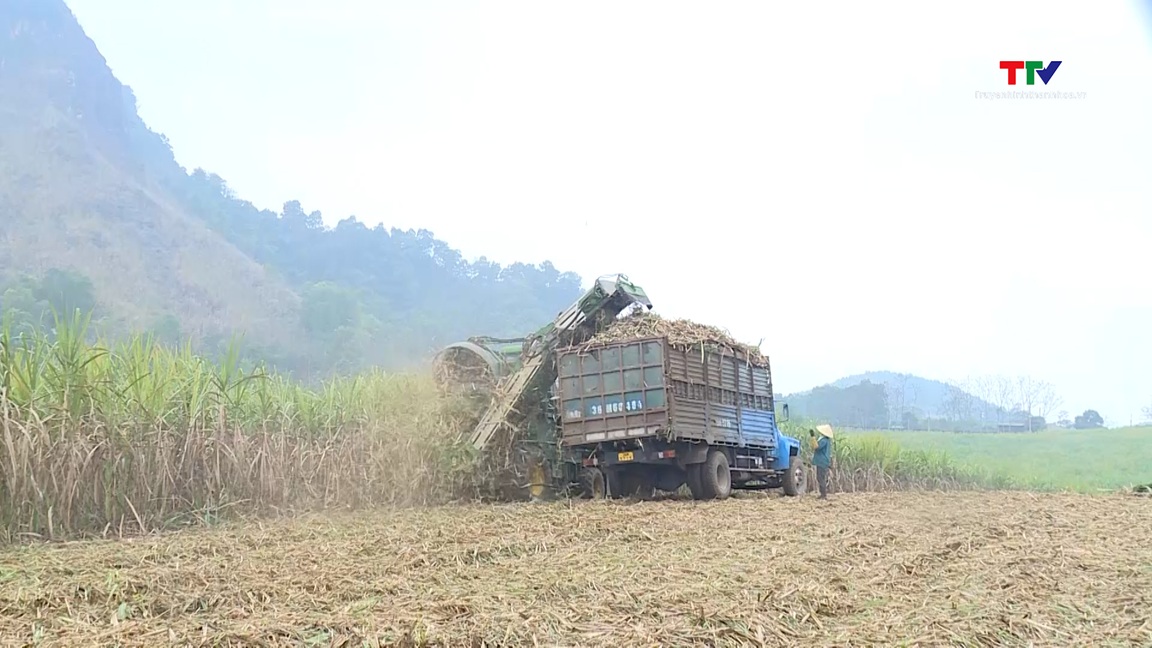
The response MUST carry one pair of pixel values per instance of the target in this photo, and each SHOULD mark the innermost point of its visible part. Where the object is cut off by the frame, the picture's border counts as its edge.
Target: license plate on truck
(623, 456)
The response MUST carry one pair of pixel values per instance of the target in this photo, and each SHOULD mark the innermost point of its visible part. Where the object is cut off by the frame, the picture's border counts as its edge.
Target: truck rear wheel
(795, 479)
(715, 476)
(592, 484)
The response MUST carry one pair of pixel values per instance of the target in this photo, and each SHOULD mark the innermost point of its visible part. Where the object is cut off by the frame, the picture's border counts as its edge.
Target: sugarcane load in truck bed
(609, 400)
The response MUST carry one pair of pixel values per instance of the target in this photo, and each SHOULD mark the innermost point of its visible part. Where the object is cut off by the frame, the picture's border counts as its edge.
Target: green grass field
(1081, 460)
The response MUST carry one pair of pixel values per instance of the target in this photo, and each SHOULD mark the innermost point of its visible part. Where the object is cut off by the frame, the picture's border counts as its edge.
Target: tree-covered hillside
(95, 210)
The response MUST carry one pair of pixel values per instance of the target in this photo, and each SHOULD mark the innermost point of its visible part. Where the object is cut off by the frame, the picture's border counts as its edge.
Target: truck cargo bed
(645, 387)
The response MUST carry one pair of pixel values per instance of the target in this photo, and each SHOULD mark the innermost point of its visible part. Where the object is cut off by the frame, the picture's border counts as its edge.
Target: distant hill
(924, 396)
(95, 210)
(886, 398)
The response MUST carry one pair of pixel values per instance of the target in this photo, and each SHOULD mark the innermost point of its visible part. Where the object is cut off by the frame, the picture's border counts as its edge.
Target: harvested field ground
(995, 569)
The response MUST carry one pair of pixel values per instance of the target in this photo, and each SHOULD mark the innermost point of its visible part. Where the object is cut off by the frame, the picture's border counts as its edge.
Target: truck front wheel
(795, 478)
(715, 476)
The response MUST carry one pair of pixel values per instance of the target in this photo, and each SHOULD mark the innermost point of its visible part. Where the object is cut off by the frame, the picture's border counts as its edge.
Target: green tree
(327, 307)
(66, 291)
(20, 311)
(1089, 419)
(167, 330)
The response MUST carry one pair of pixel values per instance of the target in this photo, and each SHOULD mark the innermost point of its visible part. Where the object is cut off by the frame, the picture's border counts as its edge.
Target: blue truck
(642, 415)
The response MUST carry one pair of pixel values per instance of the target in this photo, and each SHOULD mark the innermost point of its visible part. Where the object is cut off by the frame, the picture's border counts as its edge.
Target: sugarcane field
(380, 531)
(579, 325)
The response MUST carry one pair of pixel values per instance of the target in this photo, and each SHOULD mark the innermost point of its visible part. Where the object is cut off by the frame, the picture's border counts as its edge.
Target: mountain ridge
(87, 187)
(109, 220)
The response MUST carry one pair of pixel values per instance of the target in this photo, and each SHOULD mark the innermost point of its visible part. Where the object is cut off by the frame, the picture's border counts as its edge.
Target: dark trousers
(822, 480)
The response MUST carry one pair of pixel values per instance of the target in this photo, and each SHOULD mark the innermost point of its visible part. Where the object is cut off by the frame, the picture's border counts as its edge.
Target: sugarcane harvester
(520, 421)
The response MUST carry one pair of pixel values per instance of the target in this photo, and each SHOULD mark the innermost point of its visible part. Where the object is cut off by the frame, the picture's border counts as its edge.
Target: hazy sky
(818, 175)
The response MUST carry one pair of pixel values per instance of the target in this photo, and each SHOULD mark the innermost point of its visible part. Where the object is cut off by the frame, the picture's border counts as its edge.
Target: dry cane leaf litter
(868, 569)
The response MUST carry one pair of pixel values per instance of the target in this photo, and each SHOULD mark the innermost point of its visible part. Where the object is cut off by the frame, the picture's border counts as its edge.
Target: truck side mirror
(785, 413)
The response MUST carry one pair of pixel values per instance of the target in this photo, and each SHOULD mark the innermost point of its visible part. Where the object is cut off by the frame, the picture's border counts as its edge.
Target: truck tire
(715, 476)
(592, 483)
(795, 479)
(692, 478)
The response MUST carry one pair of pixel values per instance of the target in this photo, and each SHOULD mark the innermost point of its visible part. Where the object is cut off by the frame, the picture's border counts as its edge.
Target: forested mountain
(95, 210)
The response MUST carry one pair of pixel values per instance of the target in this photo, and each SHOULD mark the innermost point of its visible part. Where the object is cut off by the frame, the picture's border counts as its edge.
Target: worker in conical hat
(822, 456)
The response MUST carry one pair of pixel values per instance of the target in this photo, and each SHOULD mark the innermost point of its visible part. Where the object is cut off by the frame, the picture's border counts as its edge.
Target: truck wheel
(692, 478)
(715, 476)
(796, 477)
(592, 483)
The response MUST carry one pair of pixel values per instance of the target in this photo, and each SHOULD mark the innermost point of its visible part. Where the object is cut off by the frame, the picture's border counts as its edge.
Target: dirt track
(868, 569)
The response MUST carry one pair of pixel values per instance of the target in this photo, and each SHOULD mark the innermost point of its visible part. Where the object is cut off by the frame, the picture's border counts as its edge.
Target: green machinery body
(523, 410)
(492, 358)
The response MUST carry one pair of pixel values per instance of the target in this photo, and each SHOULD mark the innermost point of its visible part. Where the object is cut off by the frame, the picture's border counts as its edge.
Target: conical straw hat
(825, 430)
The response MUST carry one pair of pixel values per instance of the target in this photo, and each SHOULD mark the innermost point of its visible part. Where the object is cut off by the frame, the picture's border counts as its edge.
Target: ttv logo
(1033, 68)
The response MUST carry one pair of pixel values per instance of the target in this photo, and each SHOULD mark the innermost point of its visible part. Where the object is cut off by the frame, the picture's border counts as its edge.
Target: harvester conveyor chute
(609, 296)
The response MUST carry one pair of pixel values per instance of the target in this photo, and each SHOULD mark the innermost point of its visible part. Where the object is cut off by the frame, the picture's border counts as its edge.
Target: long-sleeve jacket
(823, 455)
